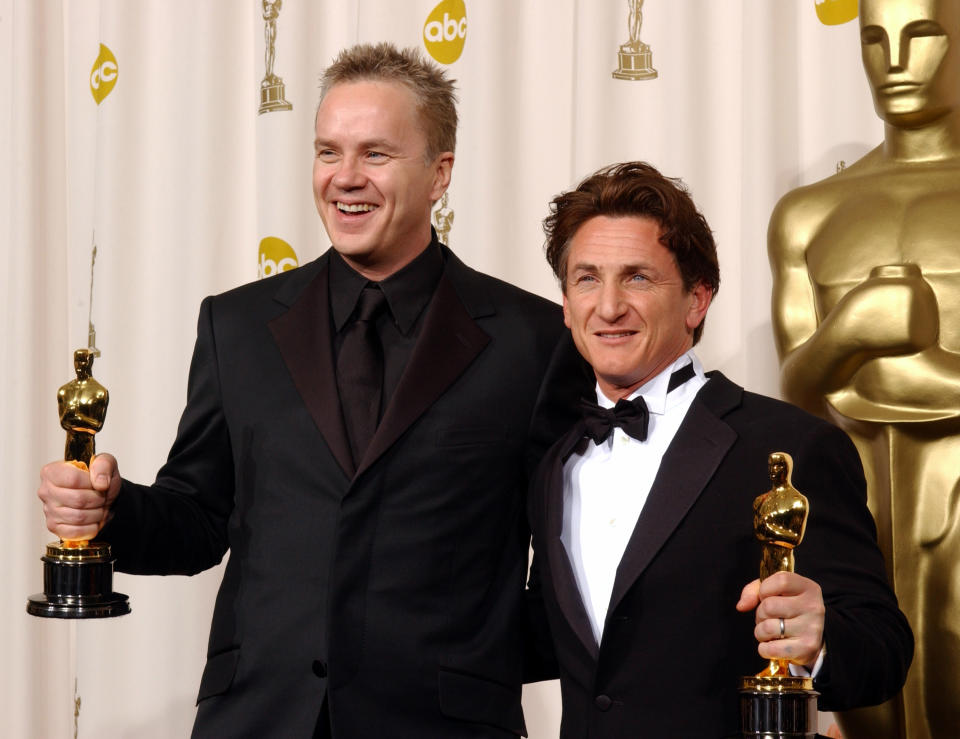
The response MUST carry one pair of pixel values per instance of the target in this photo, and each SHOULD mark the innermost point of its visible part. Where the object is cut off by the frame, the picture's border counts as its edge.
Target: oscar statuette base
(78, 583)
(636, 63)
(778, 707)
(273, 96)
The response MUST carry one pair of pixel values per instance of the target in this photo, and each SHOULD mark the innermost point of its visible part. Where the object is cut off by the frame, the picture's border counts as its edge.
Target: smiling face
(910, 58)
(625, 303)
(373, 185)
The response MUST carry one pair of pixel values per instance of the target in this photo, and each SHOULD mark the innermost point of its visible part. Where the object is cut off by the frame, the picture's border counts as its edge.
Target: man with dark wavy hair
(642, 512)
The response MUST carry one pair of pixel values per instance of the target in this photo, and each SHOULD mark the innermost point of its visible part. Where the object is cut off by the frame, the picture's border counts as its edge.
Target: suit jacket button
(603, 702)
(319, 668)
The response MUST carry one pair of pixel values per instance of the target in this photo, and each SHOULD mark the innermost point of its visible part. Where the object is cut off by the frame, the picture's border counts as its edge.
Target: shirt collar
(654, 391)
(407, 291)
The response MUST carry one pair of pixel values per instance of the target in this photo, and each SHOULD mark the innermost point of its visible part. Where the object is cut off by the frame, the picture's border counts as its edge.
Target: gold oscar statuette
(774, 704)
(635, 57)
(78, 574)
(443, 219)
(272, 89)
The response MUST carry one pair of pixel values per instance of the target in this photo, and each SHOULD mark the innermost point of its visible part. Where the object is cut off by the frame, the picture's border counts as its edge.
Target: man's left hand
(799, 602)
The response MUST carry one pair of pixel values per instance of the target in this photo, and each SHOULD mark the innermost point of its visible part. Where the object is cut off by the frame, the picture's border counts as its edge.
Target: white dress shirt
(605, 488)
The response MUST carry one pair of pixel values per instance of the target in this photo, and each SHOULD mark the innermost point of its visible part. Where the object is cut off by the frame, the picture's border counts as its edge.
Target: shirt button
(319, 668)
(603, 702)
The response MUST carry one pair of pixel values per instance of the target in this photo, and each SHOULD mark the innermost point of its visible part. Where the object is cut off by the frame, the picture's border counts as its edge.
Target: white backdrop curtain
(176, 178)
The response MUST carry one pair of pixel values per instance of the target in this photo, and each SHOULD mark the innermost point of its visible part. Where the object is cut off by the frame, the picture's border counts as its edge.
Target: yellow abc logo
(276, 256)
(835, 12)
(103, 76)
(445, 31)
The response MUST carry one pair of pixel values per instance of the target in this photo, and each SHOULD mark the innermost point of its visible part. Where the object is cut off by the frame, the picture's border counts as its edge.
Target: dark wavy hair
(636, 189)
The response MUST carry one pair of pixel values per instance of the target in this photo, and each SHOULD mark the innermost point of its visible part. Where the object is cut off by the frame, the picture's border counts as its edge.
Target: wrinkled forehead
(894, 15)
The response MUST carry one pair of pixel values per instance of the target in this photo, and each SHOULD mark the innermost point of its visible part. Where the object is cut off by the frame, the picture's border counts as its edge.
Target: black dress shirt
(408, 293)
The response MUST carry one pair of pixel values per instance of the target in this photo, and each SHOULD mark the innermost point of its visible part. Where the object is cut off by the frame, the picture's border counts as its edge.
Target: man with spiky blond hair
(357, 435)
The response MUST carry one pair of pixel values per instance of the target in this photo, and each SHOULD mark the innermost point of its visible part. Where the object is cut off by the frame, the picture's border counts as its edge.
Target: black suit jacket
(674, 647)
(395, 588)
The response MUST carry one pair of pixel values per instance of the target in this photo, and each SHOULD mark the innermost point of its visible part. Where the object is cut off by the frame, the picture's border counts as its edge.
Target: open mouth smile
(613, 334)
(355, 207)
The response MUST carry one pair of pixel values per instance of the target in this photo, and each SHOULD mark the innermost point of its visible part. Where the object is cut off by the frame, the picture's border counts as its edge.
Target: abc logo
(445, 31)
(276, 256)
(103, 76)
(835, 12)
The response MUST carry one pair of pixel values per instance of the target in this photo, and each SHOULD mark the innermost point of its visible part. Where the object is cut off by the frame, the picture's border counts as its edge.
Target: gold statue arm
(808, 351)
(885, 315)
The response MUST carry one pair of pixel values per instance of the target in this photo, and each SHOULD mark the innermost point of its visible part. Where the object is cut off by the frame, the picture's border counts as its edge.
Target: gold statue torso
(901, 216)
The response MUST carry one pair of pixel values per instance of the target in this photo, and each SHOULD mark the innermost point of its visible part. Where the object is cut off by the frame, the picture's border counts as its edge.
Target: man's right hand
(77, 502)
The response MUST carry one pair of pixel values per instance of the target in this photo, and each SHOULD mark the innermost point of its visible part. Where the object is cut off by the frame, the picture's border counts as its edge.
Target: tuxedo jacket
(393, 589)
(673, 646)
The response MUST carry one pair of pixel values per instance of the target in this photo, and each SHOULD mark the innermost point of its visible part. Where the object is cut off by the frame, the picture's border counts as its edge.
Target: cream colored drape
(178, 179)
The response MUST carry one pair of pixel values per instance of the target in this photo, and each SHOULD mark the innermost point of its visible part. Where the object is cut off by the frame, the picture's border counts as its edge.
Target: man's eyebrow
(380, 144)
(376, 144)
(622, 268)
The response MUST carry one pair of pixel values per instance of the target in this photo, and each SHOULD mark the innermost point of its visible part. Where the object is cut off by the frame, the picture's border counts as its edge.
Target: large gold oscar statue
(866, 311)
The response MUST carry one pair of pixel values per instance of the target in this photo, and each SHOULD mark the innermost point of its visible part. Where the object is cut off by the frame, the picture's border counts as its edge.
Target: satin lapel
(303, 335)
(561, 569)
(449, 341)
(701, 443)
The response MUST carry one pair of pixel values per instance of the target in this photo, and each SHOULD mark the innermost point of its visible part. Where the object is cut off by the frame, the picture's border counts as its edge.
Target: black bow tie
(630, 415)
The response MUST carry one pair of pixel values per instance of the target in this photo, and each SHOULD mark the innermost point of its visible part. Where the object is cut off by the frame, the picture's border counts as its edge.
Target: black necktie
(630, 415)
(360, 372)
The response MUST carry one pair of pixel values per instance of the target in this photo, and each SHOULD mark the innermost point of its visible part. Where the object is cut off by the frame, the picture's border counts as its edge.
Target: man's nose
(349, 175)
(611, 304)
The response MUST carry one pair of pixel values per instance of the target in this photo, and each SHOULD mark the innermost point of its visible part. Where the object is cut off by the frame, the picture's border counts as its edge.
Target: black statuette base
(778, 715)
(78, 583)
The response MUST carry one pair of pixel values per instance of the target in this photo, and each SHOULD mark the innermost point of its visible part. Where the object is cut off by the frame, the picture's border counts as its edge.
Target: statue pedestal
(273, 95)
(636, 63)
(778, 708)
(78, 583)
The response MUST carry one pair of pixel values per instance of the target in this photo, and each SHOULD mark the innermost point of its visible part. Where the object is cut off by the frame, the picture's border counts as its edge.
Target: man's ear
(700, 298)
(443, 171)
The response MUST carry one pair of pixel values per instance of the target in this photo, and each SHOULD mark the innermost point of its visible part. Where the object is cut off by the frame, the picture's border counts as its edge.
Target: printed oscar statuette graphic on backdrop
(275, 256)
(636, 59)
(78, 574)
(272, 90)
(443, 219)
(103, 76)
(445, 31)
(836, 12)
(774, 704)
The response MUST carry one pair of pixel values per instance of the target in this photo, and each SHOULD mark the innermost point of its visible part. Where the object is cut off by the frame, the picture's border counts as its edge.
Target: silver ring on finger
(783, 629)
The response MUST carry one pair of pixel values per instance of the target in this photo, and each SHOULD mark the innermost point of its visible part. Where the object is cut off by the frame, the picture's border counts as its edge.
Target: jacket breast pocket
(218, 674)
(479, 700)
